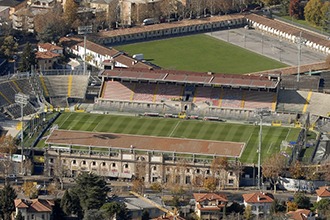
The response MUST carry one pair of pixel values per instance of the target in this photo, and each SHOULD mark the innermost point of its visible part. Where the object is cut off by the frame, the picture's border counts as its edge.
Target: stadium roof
(190, 77)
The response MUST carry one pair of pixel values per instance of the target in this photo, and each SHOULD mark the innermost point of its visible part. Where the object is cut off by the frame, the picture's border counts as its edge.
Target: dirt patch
(139, 142)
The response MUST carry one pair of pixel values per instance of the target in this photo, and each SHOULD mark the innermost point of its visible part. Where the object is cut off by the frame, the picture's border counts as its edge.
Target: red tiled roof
(46, 55)
(190, 77)
(19, 203)
(99, 49)
(200, 197)
(258, 197)
(299, 214)
(323, 191)
(49, 47)
(41, 205)
(35, 205)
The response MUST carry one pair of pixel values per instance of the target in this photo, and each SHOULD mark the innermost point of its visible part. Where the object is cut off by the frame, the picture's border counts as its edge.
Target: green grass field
(272, 136)
(201, 53)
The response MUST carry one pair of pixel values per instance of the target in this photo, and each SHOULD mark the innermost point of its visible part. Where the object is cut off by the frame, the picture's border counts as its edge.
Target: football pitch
(179, 128)
(201, 53)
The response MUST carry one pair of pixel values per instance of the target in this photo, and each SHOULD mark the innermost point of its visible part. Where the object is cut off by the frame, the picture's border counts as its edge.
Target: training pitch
(201, 53)
(179, 128)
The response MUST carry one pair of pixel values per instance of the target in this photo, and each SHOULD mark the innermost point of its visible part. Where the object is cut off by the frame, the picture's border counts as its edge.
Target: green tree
(7, 206)
(66, 203)
(93, 214)
(295, 9)
(70, 12)
(19, 216)
(58, 213)
(9, 46)
(28, 59)
(302, 201)
(312, 12)
(325, 11)
(115, 209)
(91, 191)
(323, 208)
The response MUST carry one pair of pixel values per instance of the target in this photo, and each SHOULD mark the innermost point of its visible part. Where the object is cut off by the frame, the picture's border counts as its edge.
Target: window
(103, 164)
(32, 216)
(207, 171)
(94, 163)
(231, 173)
(231, 181)
(126, 166)
(63, 161)
(154, 168)
(51, 160)
(198, 171)
(43, 216)
(84, 162)
(74, 161)
(113, 164)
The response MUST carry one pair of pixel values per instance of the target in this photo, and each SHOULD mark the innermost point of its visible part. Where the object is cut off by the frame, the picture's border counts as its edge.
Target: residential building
(48, 55)
(34, 209)
(43, 4)
(99, 56)
(23, 19)
(210, 205)
(101, 5)
(4, 13)
(300, 214)
(14, 5)
(259, 202)
(323, 193)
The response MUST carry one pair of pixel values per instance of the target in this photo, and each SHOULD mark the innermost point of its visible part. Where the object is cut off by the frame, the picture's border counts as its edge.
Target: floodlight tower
(261, 112)
(299, 41)
(22, 99)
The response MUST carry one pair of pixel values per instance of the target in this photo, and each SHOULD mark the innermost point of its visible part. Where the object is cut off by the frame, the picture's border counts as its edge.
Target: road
(268, 45)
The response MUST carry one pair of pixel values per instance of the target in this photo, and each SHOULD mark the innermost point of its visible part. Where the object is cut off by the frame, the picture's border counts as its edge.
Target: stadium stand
(167, 92)
(317, 104)
(7, 92)
(118, 90)
(144, 92)
(291, 100)
(258, 99)
(14, 110)
(305, 82)
(232, 98)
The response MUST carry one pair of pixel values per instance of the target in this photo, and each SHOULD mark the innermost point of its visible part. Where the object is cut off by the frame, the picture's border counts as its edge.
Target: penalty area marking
(287, 135)
(270, 146)
(65, 119)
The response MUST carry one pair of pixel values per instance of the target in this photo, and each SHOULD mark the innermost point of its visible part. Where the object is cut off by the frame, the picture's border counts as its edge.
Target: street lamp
(261, 112)
(22, 99)
(299, 41)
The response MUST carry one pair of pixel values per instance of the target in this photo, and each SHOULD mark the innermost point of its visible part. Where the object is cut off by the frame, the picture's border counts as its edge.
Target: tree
(296, 170)
(50, 29)
(91, 191)
(7, 145)
(157, 187)
(145, 215)
(7, 206)
(270, 2)
(9, 46)
(323, 208)
(273, 167)
(70, 12)
(248, 213)
(58, 213)
(210, 184)
(30, 190)
(302, 201)
(325, 11)
(115, 209)
(19, 216)
(220, 166)
(66, 203)
(138, 186)
(312, 12)
(60, 170)
(294, 8)
(291, 206)
(28, 59)
(93, 214)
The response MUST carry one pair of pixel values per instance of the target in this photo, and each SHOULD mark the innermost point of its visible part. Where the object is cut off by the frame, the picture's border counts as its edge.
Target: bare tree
(219, 167)
(60, 170)
(273, 167)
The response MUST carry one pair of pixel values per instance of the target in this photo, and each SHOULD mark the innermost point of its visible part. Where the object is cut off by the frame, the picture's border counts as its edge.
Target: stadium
(172, 123)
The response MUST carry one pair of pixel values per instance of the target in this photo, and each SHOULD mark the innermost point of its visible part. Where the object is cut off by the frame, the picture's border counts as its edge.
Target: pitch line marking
(269, 147)
(66, 119)
(287, 135)
(177, 124)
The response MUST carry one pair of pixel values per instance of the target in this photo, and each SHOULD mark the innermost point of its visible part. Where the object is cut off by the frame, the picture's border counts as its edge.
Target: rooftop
(258, 197)
(323, 191)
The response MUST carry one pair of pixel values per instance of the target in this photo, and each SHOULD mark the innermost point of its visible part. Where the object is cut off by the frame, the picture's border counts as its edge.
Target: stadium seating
(144, 92)
(23, 86)
(78, 86)
(7, 92)
(118, 90)
(203, 95)
(258, 99)
(232, 98)
(291, 100)
(168, 92)
(14, 110)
